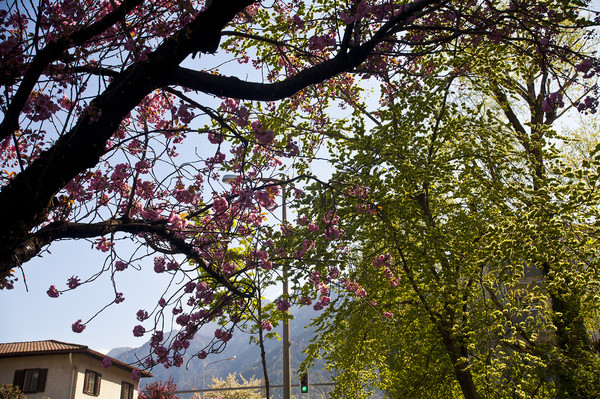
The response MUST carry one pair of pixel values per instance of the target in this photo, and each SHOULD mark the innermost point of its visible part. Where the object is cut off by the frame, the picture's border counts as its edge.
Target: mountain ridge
(196, 373)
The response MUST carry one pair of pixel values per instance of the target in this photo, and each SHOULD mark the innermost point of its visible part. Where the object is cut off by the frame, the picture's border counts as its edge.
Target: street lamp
(204, 371)
(287, 370)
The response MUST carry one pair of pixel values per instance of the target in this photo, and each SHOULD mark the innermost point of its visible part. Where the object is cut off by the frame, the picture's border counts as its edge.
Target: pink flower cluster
(53, 292)
(44, 107)
(240, 114)
(283, 305)
(78, 326)
(320, 42)
(223, 335)
(142, 315)
(120, 266)
(306, 301)
(362, 10)
(552, 102)
(139, 331)
(589, 67)
(266, 325)
(332, 232)
(263, 135)
(119, 297)
(159, 264)
(354, 287)
(384, 263)
(588, 105)
(220, 205)
(266, 198)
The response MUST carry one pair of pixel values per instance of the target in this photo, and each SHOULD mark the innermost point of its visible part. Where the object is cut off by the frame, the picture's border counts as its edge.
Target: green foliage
(487, 232)
(231, 381)
(11, 392)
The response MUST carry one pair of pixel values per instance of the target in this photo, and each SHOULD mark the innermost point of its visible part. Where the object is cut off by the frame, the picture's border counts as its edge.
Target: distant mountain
(194, 372)
(116, 352)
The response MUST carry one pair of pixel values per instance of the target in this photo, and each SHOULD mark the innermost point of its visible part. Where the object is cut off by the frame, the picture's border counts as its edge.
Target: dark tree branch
(25, 201)
(345, 60)
(70, 230)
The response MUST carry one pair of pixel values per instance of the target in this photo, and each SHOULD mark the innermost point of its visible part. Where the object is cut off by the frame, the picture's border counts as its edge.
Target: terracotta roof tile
(14, 348)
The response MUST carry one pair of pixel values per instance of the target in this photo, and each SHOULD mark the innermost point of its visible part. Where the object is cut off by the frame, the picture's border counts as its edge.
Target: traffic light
(304, 383)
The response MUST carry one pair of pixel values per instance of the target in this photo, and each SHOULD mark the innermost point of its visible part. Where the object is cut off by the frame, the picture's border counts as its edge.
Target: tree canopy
(451, 216)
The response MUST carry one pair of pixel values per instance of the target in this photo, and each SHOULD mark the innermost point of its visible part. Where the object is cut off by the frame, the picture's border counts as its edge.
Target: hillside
(247, 362)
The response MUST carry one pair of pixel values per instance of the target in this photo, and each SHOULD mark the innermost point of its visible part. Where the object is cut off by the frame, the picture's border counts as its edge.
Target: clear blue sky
(33, 315)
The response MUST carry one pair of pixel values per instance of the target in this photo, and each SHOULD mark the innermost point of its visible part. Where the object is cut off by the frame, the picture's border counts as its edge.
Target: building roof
(52, 347)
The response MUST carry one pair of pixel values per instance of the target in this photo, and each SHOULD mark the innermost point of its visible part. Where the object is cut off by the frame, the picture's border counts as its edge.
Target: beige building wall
(66, 376)
(112, 378)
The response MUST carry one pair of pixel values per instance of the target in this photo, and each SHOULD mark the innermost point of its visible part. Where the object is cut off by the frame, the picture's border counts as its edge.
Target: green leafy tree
(471, 243)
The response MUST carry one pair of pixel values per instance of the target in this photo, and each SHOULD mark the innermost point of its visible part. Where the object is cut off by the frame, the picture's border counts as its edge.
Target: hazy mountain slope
(247, 362)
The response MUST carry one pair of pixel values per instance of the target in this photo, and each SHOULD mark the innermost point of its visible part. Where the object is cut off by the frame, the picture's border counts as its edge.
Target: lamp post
(287, 370)
(204, 371)
(287, 378)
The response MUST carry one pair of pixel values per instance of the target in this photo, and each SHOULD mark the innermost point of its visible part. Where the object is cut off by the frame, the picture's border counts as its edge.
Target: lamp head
(229, 178)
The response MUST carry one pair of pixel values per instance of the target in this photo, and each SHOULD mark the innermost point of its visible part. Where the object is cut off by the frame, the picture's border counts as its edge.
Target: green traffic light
(304, 383)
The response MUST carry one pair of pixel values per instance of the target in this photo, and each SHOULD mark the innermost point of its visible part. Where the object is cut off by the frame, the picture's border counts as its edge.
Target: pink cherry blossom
(78, 326)
(136, 374)
(142, 166)
(106, 362)
(159, 264)
(283, 304)
(142, 315)
(585, 65)
(215, 138)
(138, 331)
(120, 265)
(104, 245)
(266, 137)
(53, 292)
(222, 335)
(305, 301)
(266, 325)
(220, 205)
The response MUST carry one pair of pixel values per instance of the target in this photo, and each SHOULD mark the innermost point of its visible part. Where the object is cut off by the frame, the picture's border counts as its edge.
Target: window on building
(31, 380)
(126, 390)
(91, 384)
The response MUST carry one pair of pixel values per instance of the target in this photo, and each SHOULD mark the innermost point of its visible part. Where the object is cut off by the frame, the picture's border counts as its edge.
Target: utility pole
(287, 369)
(287, 372)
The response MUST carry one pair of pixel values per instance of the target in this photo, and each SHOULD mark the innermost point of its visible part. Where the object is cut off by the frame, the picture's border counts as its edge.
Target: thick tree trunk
(460, 363)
